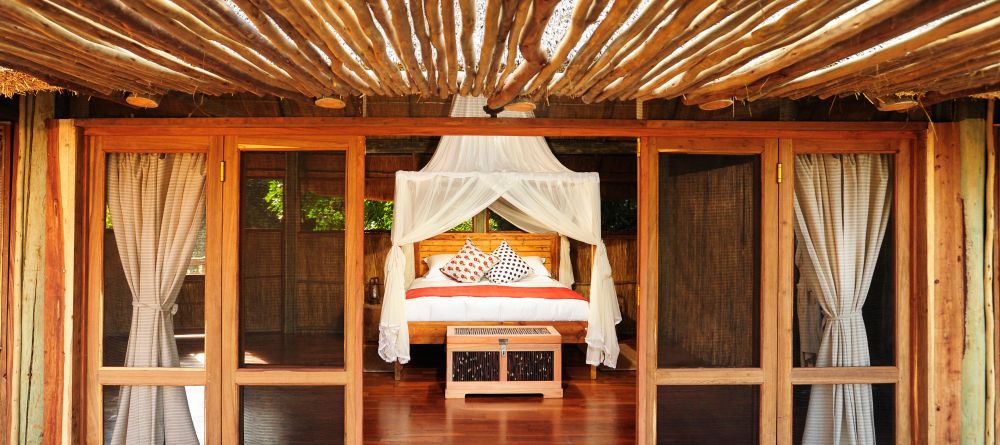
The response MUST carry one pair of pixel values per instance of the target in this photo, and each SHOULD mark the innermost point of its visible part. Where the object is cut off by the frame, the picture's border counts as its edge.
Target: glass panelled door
(845, 292)
(714, 330)
(153, 289)
(292, 363)
(775, 291)
(224, 289)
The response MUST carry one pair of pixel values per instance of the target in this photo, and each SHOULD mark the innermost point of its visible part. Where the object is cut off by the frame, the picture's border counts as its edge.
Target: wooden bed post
(397, 370)
(593, 259)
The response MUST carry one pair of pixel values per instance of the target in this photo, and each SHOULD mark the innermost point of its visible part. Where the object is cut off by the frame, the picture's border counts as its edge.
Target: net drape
(520, 179)
(842, 206)
(157, 206)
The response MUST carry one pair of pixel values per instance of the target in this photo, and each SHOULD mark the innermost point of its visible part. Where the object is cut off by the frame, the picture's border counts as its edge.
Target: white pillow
(537, 264)
(435, 263)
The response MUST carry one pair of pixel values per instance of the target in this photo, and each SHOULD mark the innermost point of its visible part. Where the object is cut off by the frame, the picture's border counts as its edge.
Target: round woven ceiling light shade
(331, 102)
(716, 104)
(143, 100)
(897, 104)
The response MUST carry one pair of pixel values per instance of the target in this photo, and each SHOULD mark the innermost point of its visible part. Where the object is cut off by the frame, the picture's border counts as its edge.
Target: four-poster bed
(547, 246)
(521, 180)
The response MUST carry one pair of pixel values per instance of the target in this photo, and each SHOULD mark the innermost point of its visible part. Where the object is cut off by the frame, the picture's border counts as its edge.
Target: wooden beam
(989, 307)
(972, 192)
(426, 49)
(504, 127)
(6, 298)
(28, 270)
(531, 49)
(578, 23)
(947, 292)
(559, 146)
(491, 28)
(62, 295)
(467, 8)
(401, 28)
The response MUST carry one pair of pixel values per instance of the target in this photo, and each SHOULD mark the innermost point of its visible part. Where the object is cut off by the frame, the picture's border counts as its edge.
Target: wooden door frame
(651, 376)
(97, 375)
(350, 376)
(902, 232)
(779, 310)
(221, 414)
(641, 129)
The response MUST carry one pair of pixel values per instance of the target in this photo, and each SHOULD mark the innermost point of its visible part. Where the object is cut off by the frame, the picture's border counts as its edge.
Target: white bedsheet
(494, 308)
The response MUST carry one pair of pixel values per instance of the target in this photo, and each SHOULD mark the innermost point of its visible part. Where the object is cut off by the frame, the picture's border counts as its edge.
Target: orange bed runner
(550, 293)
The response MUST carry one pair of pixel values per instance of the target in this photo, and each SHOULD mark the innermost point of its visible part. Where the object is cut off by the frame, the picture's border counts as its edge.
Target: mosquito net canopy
(522, 181)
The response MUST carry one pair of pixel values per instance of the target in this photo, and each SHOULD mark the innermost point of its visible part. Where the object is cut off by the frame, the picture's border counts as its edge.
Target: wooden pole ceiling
(704, 51)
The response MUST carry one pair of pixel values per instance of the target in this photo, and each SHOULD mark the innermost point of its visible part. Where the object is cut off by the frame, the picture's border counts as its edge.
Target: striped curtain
(157, 206)
(842, 206)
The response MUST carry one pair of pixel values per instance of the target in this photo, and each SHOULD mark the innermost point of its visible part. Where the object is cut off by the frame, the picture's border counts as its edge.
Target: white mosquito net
(521, 180)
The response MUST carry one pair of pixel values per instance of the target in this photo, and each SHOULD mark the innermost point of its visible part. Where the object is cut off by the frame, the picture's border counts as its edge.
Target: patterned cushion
(469, 265)
(510, 267)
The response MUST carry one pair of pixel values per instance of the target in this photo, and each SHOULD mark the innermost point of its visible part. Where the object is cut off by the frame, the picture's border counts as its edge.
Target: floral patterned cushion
(469, 265)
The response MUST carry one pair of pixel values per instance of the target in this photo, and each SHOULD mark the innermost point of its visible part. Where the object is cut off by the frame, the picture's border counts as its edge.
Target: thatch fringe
(15, 82)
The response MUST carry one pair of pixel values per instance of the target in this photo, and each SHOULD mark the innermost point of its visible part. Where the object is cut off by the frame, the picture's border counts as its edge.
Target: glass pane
(292, 414)
(292, 259)
(147, 323)
(867, 413)
(844, 261)
(179, 415)
(709, 288)
(694, 415)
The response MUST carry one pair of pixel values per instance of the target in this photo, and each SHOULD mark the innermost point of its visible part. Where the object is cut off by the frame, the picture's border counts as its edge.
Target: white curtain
(157, 206)
(842, 206)
(520, 179)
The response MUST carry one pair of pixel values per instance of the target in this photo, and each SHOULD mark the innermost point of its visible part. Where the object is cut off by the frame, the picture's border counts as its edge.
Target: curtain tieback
(172, 309)
(851, 316)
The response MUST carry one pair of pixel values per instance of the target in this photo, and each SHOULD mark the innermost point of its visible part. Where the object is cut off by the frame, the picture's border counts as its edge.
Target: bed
(434, 304)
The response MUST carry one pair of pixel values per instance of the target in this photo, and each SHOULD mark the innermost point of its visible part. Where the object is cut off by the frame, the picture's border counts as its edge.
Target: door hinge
(638, 147)
(222, 171)
(779, 173)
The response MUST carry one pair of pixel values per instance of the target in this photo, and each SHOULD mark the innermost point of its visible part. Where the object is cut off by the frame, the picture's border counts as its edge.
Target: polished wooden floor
(414, 411)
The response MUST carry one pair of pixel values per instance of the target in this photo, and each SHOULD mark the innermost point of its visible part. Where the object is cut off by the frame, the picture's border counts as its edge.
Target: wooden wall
(28, 272)
(951, 379)
(710, 221)
(6, 333)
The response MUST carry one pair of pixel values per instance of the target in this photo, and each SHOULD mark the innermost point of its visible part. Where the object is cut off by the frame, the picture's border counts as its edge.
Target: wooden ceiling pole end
(522, 104)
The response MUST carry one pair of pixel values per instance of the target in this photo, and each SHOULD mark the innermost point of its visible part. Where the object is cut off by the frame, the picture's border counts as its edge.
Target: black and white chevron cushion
(509, 268)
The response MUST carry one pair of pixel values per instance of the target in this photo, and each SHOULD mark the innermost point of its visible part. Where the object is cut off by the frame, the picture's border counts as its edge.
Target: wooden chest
(504, 360)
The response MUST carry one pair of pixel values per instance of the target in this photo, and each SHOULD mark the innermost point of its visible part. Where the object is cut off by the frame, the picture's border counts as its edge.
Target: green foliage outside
(619, 216)
(324, 213)
(318, 213)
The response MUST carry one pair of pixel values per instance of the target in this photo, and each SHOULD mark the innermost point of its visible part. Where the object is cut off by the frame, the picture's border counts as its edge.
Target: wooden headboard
(545, 245)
